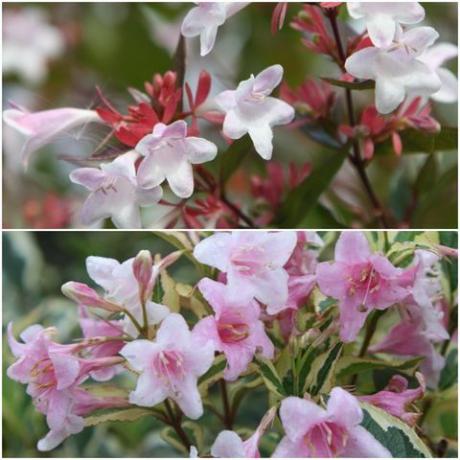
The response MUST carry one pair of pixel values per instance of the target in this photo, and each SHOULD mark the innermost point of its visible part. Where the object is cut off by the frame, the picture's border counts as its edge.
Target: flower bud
(84, 295)
(142, 269)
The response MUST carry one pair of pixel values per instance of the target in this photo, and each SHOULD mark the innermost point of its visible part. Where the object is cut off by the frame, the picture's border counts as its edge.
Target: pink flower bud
(84, 295)
(142, 269)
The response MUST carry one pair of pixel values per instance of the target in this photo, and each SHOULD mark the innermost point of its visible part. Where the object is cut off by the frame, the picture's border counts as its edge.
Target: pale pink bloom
(398, 72)
(409, 339)
(361, 281)
(121, 287)
(100, 328)
(42, 128)
(312, 431)
(253, 263)
(250, 110)
(434, 58)
(205, 19)
(235, 329)
(301, 268)
(382, 18)
(53, 373)
(228, 444)
(396, 398)
(115, 192)
(169, 367)
(169, 155)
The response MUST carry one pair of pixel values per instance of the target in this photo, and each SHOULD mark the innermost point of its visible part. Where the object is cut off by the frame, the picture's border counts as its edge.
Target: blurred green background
(116, 46)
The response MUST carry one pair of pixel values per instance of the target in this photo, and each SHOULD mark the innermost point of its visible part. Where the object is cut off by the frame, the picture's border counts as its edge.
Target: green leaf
(304, 198)
(322, 374)
(449, 374)
(215, 373)
(350, 365)
(417, 142)
(353, 85)
(391, 432)
(230, 160)
(125, 415)
(270, 376)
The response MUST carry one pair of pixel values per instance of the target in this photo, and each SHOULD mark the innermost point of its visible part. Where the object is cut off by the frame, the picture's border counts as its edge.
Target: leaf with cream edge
(270, 376)
(215, 373)
(394, 434)
(125, 415)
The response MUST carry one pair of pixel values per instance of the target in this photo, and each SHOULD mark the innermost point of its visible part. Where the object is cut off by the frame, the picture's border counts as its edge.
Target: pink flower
(53, 373)
(250, 110)
(228, 444)
(253, 262)
(41, 128)
(361, 281)
(115, 192)
(396, 398)
(235, 329)
(99, 328)
(409, 339)
(169, 155)
(312, 431)
(169, 367)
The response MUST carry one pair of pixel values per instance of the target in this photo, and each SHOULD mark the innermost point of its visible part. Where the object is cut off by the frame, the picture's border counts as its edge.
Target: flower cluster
(264, 294)
(172, 130)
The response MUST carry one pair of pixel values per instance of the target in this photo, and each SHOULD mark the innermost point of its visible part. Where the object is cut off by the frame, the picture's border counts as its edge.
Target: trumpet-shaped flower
(250, 110)
(409, 339)
(398, 72)
(312, 431)
(115, 192)
(121, 287)
(42, 128)
(253, 263)
(205, 19)
(169, 367)
(361, 281)
(396, 398)
(434, 58)
(169, 154)
(53, 373)
(110, 329)
(235, 329)
(382, 19)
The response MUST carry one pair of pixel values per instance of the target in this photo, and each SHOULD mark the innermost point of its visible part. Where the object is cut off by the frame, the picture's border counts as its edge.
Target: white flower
(204, 20)
(115, 192)
(434, 58)
(169, 154)
(29, 43)
(398, 72)
(249, 109)
(382, 18)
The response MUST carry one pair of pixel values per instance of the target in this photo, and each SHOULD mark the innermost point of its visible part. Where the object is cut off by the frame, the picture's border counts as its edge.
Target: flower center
(248, 260)
(363, 279)
(232, 332)
(169, 364)
(326, 439)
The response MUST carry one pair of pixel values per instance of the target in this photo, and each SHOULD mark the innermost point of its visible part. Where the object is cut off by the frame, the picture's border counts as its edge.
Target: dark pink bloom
(235, 329)
(361, 281)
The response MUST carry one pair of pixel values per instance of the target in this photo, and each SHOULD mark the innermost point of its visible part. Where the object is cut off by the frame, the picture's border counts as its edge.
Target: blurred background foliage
(36, 264)
(116, 46)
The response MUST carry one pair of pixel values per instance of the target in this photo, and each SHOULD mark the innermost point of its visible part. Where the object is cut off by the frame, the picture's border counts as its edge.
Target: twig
(228, 416)
(356, 158)
(175, 423)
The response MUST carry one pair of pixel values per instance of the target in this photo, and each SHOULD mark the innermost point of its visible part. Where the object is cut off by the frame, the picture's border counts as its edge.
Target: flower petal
(215, 250)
